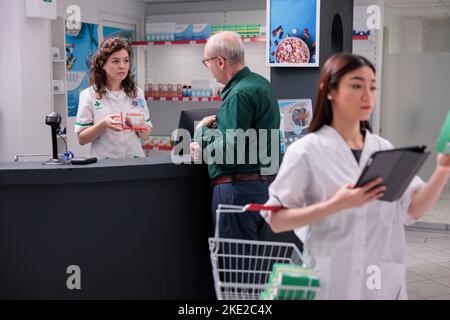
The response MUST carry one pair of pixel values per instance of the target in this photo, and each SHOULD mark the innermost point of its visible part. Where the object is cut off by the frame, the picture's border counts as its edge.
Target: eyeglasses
(209, 59)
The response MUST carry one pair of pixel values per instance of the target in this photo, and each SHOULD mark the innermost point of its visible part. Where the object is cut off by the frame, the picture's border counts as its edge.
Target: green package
(443, 144)
(253, 30)
(303, 281)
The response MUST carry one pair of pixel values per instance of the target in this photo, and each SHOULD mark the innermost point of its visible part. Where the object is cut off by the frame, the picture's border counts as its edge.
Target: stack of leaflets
(291, 282)
(443, 144)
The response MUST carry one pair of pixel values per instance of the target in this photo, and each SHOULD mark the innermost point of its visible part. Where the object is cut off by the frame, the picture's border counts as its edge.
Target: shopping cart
(241, 268)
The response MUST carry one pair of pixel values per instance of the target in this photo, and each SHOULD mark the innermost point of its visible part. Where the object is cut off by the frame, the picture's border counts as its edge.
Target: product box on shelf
(160, 31)
(244, 30)
(253, 30)
(201, 88)
(201, 31)
(159, 90)
(179, 90)
(217, 28)
(183, 32)
(149, 92)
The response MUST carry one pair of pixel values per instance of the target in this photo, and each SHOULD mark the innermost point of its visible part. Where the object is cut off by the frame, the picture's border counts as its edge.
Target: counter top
(158, 165)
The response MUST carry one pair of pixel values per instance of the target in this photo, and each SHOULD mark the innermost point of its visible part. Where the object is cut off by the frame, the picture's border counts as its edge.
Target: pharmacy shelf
(178, 42)
(195, 99)
(203, 41)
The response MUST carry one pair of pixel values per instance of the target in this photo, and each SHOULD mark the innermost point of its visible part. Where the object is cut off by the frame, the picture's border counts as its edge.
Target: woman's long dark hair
(332, 72)
(98, 75)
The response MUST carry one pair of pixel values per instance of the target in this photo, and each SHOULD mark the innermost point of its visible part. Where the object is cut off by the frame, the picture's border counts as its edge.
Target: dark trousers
(245, 225)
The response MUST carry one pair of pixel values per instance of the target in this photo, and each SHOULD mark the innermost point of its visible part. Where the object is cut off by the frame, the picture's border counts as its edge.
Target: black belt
(241, 177)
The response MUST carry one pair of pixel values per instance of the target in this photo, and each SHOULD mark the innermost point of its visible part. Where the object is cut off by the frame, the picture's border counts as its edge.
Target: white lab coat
(111, 144)
(341, 247)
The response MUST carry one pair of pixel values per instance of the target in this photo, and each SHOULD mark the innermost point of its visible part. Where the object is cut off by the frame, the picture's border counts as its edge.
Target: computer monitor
(189, 117)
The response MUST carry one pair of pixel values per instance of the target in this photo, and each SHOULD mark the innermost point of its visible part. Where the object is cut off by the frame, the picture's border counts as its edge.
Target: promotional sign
(293, 33)
(296, 116)
(80, 48)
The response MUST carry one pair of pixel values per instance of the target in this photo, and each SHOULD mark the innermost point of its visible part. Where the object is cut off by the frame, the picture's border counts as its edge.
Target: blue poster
(80, 48)
(296, 116)
(110, 32)
(292, 35)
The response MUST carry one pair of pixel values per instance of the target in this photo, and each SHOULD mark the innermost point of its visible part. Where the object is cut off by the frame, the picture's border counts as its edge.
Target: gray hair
(229, 45)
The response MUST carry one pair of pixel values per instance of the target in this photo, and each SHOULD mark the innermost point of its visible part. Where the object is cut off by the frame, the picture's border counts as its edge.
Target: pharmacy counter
(117, 229)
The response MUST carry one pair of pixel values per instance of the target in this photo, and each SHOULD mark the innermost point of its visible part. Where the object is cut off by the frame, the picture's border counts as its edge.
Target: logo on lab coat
(98, 105)
(138, 103)
(141, 102)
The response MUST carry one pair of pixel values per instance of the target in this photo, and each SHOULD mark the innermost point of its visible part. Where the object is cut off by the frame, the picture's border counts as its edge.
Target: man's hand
(207, 122)
(195, 150)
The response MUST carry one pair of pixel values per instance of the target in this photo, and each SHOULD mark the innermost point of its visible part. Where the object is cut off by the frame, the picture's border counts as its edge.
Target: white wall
(25, 96)
(416, 98)
(436, 36)
(416, 75)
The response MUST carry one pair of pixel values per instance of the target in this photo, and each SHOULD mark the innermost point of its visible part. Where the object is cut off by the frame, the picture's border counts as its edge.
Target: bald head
(226, 44)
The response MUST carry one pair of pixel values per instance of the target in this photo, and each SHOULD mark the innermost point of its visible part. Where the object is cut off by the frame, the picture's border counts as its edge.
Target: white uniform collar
(366, 152)
(115, 95)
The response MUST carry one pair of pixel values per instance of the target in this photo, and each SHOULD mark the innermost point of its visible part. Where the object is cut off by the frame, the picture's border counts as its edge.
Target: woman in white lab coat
(112, 92)
(354, 242)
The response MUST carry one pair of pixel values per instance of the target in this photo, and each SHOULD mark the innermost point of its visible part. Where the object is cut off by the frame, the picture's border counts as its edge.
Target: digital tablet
(397, 167)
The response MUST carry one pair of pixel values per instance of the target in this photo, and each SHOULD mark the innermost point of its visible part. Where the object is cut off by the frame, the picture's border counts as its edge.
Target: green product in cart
(300, 286)
(443, 144)
(302, 283)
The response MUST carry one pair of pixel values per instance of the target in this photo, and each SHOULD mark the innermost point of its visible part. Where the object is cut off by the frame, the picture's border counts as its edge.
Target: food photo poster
(293, 33)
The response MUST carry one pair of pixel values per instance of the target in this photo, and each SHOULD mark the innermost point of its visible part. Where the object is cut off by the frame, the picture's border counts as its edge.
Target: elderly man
(249, 112)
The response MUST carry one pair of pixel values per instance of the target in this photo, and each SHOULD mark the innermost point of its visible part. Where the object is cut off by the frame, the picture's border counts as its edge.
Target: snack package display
(443, 143)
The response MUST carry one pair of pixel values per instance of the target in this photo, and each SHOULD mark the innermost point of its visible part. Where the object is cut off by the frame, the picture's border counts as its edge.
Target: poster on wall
(296, 116)
(81, 46)
(126, 34)
(292, 38)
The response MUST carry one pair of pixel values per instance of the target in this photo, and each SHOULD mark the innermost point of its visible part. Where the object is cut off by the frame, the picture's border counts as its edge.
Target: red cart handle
(259, 207)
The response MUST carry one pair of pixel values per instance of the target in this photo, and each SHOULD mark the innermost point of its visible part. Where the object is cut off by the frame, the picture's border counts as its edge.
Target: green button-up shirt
(248, 102)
